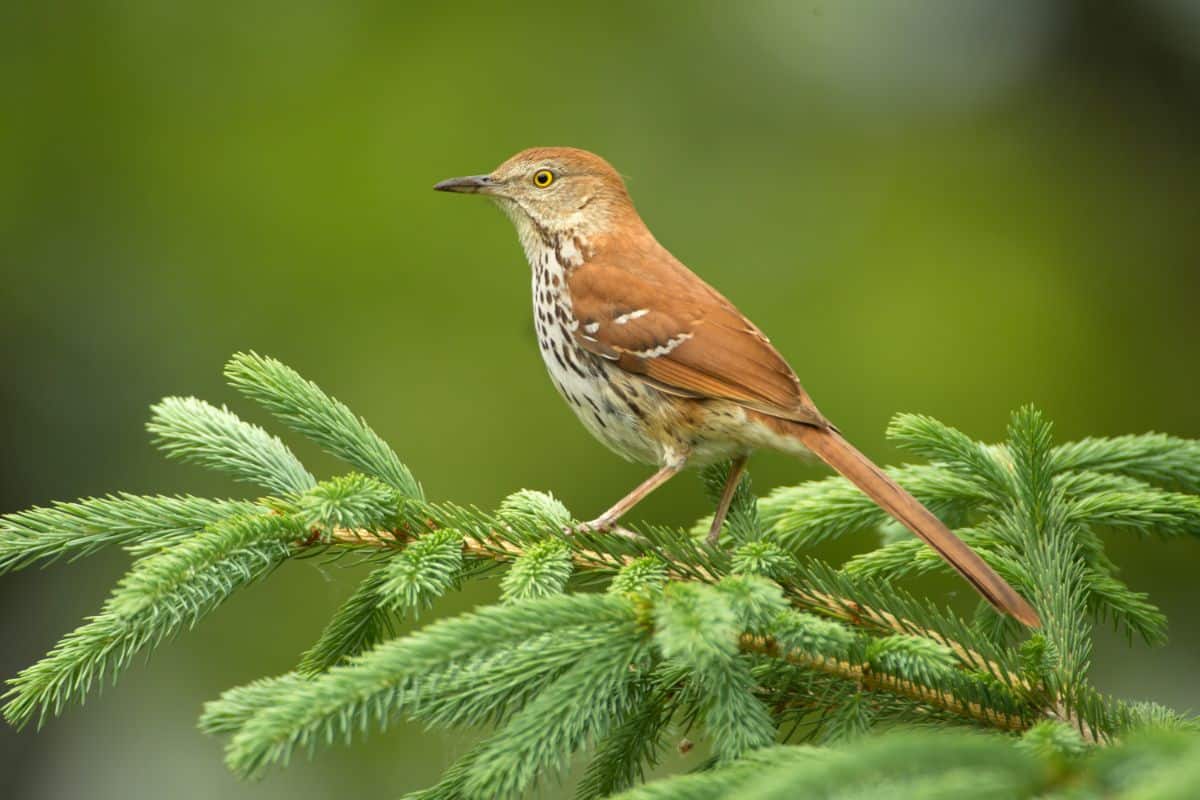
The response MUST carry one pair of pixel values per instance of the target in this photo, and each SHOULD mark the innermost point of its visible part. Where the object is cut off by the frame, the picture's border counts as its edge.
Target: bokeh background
(948, 207)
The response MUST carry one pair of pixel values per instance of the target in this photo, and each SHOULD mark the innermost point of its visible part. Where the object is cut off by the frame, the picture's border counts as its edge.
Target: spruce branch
(698, 629)
(624, 753)
(862, 610)
(1146, 510)
(138, 523)
(238, 705)
(823, 590)
(193, 431)
(375, 687)
(164, 593)
(302, 406)
(797, 517)
(976, 463)
(361, 622)
(857, 603)
(542, 570)
(351, 502)
(743, 642)
(998, 709)
(726, 780)
(1152, 457)
(1055, 566)
(423, 571)
(583, 703)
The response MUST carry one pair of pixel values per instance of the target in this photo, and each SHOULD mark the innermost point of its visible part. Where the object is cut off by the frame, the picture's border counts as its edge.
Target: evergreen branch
(930, 765)
(684, 630)
(351, 501)
(802, 516)
(726, 780)
(906, 765)
(1109, 598)
(471, 689)
(162, 594)
(1146, 511)
(851, 713)
(911, 557)
(425, 570)
(698, 629)
(302, 406)
(936, 697)
(763, 558)
(382, 683)
(756, 602)
(1053, 563)
(79, 529)
(534, 513)
(490, 687)
(542, 570)
(622, 756)
(499, 538)
(1152, 457)
(862, 603)
(641, 576)
(359, 624)
(238, 705)
(193, 431)
(853, 601)
(912, 658)
(972, 461)
(582, 703)
(410, 579)
(186, 581)
(449, 696)
(1086, 482)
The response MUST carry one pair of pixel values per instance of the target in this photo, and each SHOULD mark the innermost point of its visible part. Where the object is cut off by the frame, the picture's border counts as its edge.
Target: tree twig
(498, 548)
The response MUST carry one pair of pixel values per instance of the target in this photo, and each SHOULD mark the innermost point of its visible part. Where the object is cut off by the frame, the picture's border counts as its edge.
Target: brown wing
(669, 326)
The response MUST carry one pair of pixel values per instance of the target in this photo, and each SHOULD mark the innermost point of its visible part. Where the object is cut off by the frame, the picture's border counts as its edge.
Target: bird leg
(736, 468)
(609, 518)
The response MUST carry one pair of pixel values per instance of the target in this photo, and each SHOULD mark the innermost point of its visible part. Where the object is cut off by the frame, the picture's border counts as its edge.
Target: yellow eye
(543, 178)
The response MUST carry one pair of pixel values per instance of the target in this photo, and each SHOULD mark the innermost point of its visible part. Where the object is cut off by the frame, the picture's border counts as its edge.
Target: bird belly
(615, 416)
(637, 421)
(629, 415)
(617, 409)
(615, 413)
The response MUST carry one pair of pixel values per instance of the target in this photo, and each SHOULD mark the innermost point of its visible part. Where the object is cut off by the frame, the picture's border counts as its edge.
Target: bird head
(552, 190)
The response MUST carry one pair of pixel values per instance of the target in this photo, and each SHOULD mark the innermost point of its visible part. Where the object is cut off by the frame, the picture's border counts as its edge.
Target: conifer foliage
(799, 677)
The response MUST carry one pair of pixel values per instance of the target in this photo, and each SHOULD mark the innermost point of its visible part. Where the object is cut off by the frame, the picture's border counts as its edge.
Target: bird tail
(835, 451)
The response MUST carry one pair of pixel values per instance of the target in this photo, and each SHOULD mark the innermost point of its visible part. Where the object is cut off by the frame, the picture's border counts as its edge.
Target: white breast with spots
(616, 415)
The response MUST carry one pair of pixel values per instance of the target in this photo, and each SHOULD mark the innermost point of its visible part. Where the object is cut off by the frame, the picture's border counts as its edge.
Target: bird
(660, 366)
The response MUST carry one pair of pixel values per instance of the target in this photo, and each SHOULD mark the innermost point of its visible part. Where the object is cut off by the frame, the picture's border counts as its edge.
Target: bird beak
(471, 184)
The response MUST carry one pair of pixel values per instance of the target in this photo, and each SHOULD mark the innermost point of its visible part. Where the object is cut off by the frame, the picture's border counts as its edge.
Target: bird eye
(543, 178)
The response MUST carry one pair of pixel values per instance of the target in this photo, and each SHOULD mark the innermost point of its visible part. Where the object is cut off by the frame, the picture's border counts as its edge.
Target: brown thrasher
(658, 365)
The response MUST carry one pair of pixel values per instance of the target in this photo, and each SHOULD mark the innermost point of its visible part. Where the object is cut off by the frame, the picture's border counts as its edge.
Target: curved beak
(471, 184)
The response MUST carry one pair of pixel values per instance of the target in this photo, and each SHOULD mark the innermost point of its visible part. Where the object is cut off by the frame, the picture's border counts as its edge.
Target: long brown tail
(875, 483)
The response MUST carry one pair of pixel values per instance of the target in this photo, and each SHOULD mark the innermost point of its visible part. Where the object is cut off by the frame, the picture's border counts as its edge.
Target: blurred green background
(947, 207)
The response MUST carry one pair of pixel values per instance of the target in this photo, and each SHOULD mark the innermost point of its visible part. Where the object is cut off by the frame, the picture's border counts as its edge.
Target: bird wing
(679, 333)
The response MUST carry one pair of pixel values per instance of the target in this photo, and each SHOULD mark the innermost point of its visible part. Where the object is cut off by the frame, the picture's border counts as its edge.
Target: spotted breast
(615, 407)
